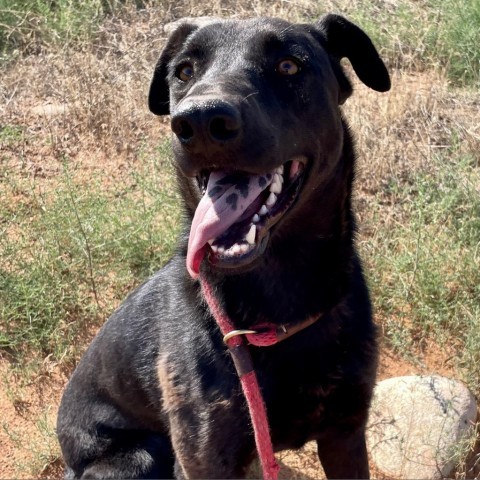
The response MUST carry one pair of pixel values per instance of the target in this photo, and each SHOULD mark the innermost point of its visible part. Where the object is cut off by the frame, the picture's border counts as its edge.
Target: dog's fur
(156, 394)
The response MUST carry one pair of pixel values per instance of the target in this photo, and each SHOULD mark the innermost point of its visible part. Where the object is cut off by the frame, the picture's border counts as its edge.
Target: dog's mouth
(232, 222)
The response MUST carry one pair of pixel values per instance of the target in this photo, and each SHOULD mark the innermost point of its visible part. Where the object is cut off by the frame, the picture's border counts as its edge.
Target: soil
(29, 409)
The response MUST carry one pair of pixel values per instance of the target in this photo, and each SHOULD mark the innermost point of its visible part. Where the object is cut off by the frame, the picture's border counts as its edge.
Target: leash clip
(235, 333)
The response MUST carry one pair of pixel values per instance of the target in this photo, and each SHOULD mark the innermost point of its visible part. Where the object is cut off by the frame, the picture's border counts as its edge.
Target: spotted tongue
(227, 197)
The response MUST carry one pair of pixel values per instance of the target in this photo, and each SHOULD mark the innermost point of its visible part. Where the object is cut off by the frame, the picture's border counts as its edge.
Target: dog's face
(255, 113)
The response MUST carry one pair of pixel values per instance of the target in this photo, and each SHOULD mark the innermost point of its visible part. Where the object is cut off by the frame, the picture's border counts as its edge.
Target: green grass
(416, 34)
(427, 34)
(10, 135)
(30, 25)
(66, 259)
(425, 266)
(459, 41)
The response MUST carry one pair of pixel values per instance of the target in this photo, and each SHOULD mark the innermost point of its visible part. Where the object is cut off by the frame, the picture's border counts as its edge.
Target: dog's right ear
(159, 94)
(345, 39)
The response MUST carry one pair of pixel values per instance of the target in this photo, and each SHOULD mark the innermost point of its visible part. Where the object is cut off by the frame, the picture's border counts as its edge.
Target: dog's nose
(207, 125)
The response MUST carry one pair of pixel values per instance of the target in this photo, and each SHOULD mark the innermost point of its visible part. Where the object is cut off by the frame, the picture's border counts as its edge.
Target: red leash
(243, 363)
(264, 335)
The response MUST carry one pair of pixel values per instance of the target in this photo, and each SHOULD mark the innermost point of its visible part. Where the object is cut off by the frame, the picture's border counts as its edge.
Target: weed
(40, 452)
(47, 450)
(10, 134)
(59, 255)
(29, 24)
(458, 40)
(427, 268)
(426, 34)
(465, 456)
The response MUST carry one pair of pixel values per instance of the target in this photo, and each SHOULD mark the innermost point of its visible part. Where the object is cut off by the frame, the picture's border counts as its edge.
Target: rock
(50, 110)
(418, 425)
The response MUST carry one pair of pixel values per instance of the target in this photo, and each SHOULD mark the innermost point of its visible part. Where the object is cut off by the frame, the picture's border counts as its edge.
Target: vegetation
(427, 34)
(60, 251)
(29, 25)
(425, 273)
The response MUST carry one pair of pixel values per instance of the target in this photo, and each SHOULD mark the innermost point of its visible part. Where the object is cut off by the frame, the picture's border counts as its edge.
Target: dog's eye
(185, 72)
(288, 67)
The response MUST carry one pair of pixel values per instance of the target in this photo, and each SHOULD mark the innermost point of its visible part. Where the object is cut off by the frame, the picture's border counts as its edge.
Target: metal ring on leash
(235, 333)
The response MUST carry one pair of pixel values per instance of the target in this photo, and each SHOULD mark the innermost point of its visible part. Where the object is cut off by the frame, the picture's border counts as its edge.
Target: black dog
(265, 166)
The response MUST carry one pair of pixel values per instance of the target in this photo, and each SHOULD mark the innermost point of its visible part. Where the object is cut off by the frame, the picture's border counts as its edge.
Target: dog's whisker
(250, 95)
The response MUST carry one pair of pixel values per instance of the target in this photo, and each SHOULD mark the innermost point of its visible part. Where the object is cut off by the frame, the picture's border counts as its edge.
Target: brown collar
(266, 334)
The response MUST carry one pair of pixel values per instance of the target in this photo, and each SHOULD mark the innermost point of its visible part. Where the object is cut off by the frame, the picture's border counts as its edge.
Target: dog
(265, 164)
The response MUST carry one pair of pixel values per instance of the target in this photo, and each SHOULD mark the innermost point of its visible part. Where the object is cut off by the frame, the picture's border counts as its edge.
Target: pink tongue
(227, 197)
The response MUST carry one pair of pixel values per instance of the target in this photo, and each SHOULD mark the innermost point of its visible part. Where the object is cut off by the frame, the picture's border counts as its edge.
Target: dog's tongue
(227, 197)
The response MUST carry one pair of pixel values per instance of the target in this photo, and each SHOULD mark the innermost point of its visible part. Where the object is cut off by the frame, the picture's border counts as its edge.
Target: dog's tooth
(250, 238)
(279, 177)
(256, 218)
(214, 248)
(280, 170)
(221, 250)
(244, 248)
(272, 198)
(263, 210)
(236, 249)
(276, 187)
(211, 241)
(276, 178)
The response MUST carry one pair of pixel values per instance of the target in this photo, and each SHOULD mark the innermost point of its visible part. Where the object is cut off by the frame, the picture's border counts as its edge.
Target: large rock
(418, 425)
(50, 109)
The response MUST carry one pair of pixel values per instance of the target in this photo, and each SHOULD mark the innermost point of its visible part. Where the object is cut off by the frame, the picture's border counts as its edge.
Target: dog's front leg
(344, 454)
(210, 442)
(208, 420)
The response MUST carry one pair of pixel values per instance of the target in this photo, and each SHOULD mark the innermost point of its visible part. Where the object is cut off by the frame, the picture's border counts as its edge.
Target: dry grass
(75, 132)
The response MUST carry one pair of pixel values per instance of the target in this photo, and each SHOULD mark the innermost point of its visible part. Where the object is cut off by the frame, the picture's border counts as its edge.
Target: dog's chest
(297, 402)
(297, 416)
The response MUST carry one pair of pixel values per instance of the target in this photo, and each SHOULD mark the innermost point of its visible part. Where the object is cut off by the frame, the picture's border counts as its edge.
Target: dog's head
(254, 108)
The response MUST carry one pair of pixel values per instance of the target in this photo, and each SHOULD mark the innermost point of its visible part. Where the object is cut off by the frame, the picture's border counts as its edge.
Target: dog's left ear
(341, 39)
(159, 94)
(178, 33)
